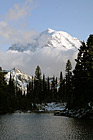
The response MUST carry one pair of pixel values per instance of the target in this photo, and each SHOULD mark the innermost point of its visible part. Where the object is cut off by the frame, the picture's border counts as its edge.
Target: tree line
(76, 88)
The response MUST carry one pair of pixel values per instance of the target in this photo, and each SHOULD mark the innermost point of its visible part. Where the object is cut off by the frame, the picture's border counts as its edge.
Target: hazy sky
(20, 19)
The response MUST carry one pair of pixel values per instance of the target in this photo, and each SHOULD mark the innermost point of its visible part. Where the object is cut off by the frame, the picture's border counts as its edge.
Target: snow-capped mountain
(20, 79)
(50, 50)
(49, 38)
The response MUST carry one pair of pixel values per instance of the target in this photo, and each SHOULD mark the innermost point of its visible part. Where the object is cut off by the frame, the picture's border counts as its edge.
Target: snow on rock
(51, 106)
(49, 38)
(20, 79)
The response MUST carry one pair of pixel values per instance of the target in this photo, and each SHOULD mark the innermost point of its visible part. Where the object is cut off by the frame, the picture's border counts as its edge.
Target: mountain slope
(20, 79)
(49, 38)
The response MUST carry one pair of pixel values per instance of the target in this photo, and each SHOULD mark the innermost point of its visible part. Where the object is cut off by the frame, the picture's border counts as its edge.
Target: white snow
(51, 106)
(20, 79)
(49, 38)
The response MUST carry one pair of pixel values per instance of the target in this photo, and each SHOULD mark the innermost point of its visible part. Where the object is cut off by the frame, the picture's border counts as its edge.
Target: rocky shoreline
(76, 113)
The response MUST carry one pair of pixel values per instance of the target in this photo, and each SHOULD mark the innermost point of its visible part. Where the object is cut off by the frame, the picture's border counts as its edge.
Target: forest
(76, 88)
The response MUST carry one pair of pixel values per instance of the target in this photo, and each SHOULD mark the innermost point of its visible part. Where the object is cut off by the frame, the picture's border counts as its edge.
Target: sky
(21, 20)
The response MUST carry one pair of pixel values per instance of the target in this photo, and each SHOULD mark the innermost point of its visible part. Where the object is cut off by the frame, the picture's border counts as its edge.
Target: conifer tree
(44, 89)
(68, 79)
(38, 86)
(53, 89)
(83, 75)
(38, 73)
(48, 84)
(3, 96)
(61, 77)
(61, 92)
(11, 90)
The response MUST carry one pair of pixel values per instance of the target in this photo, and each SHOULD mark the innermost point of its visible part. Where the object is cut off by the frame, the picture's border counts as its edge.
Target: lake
(44, 126)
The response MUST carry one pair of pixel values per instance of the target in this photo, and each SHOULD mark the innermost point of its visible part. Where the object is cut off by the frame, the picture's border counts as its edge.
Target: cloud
(20, 10)
(50, 64)
(12, 26)
(11, 35)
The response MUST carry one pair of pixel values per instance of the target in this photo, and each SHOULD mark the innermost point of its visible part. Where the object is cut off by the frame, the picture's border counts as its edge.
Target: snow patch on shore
(51, 106)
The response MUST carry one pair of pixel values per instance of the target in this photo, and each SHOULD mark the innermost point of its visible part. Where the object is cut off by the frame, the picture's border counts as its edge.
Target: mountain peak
(16, 70)
(49, 30)
(49, 38)
(21, 80)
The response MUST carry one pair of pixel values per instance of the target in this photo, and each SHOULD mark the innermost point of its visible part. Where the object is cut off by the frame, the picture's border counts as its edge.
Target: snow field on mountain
(49, 38)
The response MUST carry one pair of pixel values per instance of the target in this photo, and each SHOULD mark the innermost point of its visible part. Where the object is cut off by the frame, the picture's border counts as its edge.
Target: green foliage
(68, 79)
(61, 77)
(68, 66)
(38, 73)
(6, 99)
(83, 75)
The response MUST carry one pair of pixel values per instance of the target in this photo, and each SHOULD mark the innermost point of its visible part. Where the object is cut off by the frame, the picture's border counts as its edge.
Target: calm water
(33, 126)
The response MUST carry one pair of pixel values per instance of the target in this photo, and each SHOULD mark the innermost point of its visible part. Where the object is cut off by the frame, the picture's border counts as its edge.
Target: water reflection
(26, 126)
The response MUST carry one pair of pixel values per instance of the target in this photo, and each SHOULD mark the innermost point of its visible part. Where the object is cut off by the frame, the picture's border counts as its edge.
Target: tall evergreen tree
(3, 96)
(61, 92)
(38, 85)
(83, 75)
(44, 89)
(53, 89)
(38, 73)
(61, 78)
(7, 97)
(68, 79)
(48, 84)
